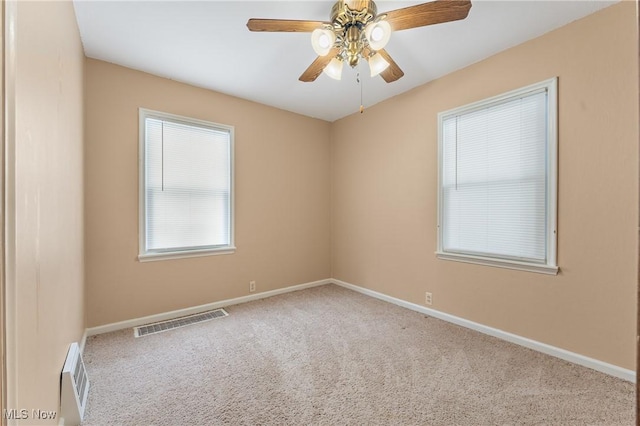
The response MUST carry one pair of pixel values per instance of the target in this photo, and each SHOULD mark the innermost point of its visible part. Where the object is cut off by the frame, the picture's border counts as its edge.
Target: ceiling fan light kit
(322, 40)
(378, 34)
(334, 69)
(356, 31)
(377, 64)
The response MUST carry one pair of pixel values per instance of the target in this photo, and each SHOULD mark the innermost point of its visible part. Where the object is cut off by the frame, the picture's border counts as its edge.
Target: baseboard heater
(74, 387)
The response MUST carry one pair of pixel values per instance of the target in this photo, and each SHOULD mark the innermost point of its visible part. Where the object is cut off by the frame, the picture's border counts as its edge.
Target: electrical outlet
(428, 298)
(252, 286)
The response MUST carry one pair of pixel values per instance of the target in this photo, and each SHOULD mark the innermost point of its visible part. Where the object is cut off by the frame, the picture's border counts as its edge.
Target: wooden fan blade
(393, 71)
(435, 12)
(317, 66)
(283, 25)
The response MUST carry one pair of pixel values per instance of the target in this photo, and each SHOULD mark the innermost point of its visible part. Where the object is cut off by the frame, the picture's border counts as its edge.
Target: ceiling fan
(356, 31)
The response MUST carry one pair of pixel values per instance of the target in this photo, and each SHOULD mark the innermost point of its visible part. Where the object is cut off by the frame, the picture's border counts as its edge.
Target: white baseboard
(610, 369)
(196, 309)
(83, 341)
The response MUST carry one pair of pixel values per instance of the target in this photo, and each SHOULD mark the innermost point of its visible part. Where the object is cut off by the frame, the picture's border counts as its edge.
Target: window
(186, 187)
(497, 181)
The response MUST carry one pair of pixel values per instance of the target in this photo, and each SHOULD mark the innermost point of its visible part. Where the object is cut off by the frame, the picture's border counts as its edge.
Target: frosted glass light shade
(322, 41)
(378, 34)
(377, 64)
(334, 69)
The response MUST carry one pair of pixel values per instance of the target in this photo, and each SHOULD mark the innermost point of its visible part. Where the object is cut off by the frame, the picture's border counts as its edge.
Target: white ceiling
(207, 44)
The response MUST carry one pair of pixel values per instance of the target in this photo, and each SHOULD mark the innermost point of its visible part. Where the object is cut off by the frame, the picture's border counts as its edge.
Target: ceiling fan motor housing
(344, 11)
(349, 18)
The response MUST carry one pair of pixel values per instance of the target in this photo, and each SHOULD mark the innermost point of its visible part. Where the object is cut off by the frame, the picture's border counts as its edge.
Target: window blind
(494, 180)
(187, 186)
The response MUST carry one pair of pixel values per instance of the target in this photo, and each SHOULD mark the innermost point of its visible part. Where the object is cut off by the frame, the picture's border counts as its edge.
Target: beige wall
(47, 275)
(282, 184)
(384, 192)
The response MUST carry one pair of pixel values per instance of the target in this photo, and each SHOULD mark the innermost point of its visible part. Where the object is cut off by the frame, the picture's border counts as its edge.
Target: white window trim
(551, 266)
(143, 256)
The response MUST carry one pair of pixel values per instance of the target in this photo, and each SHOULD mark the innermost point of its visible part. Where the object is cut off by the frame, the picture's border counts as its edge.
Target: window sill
(500, 263)
(152, 257)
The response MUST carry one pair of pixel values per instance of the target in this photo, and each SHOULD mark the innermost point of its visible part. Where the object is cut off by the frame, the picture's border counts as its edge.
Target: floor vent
(75, 387)
(159, 327)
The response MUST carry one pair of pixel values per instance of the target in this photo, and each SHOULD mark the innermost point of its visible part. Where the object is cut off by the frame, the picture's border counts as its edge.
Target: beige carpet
(330, 356)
